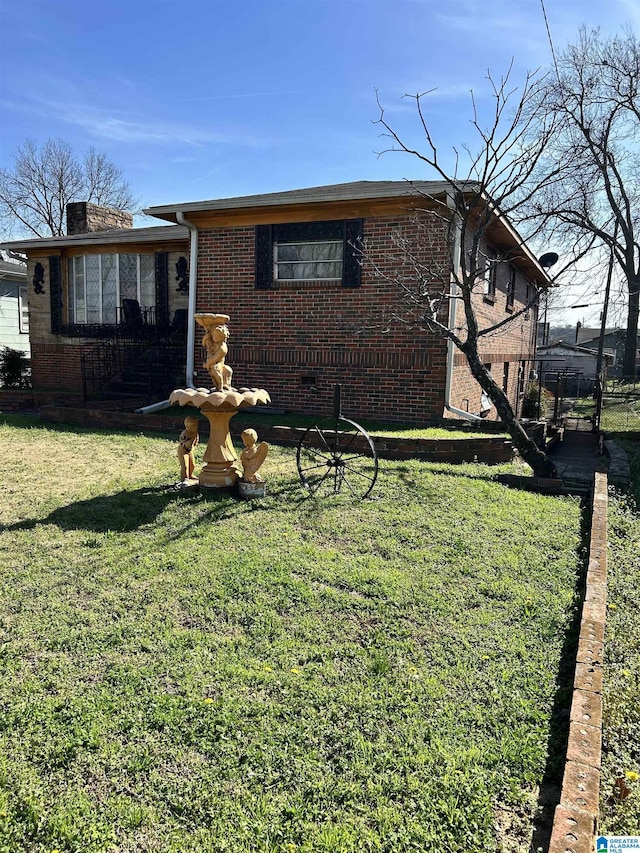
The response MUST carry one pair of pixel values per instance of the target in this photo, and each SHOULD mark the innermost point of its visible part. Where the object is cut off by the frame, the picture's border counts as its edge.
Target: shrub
(532, 394)
(15, 368)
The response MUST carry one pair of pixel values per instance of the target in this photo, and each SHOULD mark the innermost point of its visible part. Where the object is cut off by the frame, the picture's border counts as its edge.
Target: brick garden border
(576, 816)
(491, 449)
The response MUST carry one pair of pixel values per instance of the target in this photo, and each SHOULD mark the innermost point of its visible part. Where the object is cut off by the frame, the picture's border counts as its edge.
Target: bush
(530, 401)
(15, 369)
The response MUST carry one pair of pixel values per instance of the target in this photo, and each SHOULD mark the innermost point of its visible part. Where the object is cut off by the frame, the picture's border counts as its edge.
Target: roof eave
(102, 238)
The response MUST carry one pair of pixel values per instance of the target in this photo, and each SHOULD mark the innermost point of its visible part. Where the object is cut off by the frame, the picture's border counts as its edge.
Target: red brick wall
(309, 332)
(57, 366)
(280, 339)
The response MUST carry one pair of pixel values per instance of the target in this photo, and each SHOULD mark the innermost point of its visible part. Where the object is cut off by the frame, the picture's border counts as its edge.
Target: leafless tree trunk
(590, 175)
(499, 176)
(35, 192)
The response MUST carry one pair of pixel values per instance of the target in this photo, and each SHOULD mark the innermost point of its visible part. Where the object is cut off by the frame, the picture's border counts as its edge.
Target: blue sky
(198, 99)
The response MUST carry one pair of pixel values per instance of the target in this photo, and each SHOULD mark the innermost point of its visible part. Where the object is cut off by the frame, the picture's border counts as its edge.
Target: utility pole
(605, 308)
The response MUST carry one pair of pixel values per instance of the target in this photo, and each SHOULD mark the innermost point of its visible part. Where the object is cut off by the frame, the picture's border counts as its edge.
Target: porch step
(154, 373)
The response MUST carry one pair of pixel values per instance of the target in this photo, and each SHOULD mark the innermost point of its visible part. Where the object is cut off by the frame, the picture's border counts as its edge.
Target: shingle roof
(157, 233)
(308, 195)
(12, 270)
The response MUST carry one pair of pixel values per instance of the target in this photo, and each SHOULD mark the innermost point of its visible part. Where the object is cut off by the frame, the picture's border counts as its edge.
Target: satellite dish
(548, 260)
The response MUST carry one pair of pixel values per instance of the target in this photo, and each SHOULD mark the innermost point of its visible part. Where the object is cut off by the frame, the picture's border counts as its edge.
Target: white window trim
(23, 310)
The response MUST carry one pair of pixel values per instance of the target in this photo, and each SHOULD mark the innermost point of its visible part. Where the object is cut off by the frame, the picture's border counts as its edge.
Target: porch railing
(125, 346)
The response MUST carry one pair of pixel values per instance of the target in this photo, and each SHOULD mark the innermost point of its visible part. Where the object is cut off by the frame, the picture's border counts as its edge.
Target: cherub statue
(252, 456)
(187, 443)
(214, 341)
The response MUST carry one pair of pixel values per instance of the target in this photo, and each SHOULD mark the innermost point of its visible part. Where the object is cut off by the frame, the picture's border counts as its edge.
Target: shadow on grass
(131, 509)
(123, 511)
(467, 470)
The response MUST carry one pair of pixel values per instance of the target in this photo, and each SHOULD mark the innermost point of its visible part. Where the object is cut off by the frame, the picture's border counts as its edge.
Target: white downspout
(191, 323)
(193, 277)
(453, 304)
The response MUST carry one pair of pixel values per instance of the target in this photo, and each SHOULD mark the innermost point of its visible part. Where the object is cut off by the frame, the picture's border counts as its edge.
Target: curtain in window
(109, 288)
(309, 261)
(92, 288)
(147, 281)
(77, 297)
(128, 277)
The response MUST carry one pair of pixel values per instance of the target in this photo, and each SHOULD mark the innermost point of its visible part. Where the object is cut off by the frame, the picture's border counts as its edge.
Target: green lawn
(189, 673)
(621, 735)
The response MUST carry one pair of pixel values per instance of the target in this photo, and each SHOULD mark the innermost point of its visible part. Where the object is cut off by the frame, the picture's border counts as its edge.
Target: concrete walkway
(577, 457)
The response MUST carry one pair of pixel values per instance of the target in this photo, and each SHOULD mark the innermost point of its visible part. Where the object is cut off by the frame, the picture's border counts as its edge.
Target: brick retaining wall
(491, 450)
(576, 816)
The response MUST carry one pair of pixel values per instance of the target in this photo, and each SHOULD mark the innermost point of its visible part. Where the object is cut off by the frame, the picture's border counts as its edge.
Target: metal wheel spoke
(350, 487)
(350, 459)
(360, 474)
(318, 454)
(310, 468)
(324, 440)
(345, 449)
(322, 479)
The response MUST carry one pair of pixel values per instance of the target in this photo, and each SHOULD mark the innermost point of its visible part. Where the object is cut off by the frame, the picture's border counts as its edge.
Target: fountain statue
(219, 404)
(251, 485)
(187, 443)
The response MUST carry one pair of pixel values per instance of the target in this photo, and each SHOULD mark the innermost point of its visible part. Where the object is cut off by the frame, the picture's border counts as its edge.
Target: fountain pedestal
(219, 471)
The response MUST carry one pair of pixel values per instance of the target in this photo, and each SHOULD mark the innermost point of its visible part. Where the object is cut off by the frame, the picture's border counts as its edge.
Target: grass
(378, 428)
(183, 672)
(621, 723)
(620, 410)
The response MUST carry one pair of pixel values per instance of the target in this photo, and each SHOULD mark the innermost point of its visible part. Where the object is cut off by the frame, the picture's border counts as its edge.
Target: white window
(511, 289)
(490, 273)
(317, 261)
(99, 283)
(23, 310)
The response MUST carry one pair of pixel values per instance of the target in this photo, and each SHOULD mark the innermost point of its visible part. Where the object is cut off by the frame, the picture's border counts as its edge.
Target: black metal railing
(105, 362)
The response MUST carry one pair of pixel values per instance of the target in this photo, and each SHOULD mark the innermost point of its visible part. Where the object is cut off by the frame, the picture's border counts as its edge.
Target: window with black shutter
(308, 251)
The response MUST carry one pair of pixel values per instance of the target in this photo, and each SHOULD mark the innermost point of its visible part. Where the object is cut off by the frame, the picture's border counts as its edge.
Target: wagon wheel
(337, 452)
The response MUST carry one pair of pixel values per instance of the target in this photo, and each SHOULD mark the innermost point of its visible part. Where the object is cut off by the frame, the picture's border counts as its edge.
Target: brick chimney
(83, 216)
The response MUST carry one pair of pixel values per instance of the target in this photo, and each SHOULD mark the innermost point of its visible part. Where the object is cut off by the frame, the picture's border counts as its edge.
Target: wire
(553, 53)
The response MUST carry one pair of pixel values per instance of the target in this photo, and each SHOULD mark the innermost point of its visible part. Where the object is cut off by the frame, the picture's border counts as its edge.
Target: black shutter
(351, 269)
(264, 257)
(162, 290)
(55, 293)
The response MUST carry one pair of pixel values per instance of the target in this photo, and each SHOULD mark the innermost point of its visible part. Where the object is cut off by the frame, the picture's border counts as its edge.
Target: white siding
(10, 334)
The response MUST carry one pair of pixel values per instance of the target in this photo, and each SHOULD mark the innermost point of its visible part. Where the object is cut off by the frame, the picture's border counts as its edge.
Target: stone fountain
(218, 404)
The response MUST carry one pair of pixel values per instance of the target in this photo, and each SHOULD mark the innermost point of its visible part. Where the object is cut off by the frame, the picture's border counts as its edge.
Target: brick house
(284, 267)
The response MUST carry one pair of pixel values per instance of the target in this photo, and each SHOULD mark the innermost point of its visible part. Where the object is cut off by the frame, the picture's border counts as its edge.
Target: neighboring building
(284, 267)
(613, 342)
(569, 357)
(14, 313)
(576, 365)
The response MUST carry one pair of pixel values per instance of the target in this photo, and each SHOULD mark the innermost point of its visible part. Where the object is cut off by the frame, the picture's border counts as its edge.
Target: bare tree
(35, 192)
(440, 294)
(589, 178)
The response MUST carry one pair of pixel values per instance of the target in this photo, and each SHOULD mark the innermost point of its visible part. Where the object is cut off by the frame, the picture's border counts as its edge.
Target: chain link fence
(618, 406)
